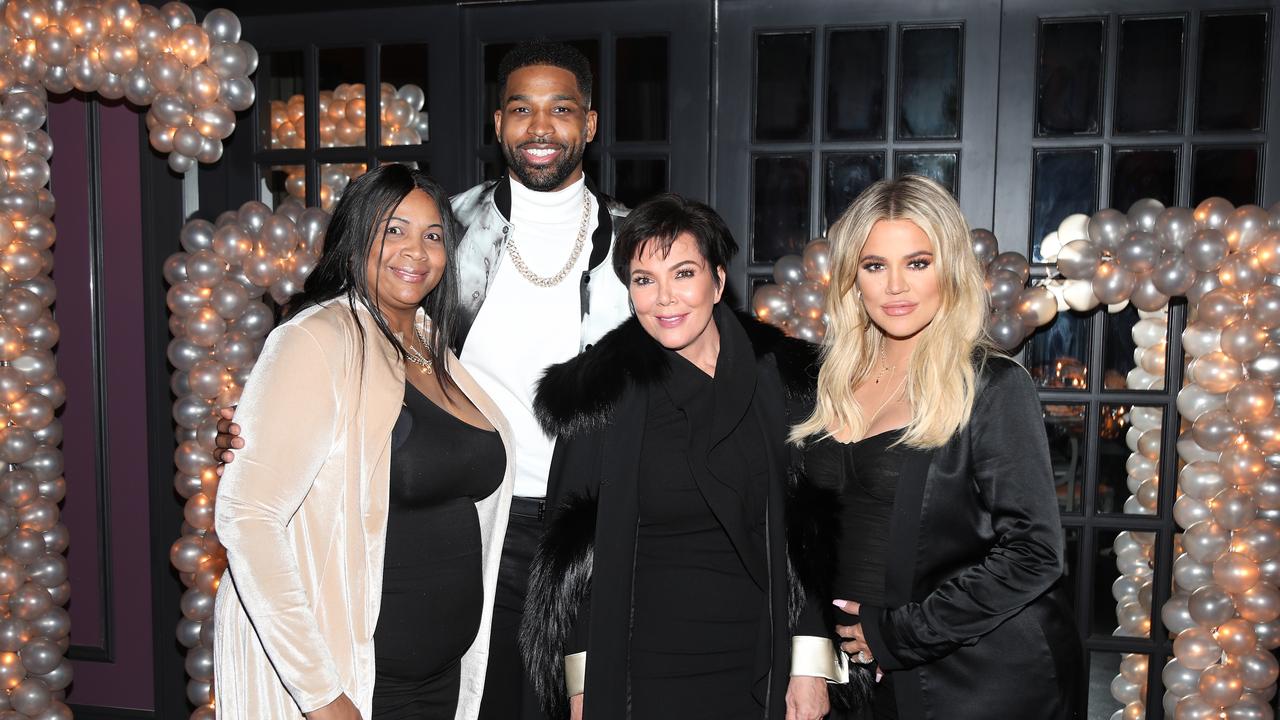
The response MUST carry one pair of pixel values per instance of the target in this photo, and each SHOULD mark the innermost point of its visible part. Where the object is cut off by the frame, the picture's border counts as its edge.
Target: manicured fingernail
(839, 603)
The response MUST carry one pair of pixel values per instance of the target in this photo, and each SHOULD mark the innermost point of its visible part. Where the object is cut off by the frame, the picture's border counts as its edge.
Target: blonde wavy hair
(941, 375)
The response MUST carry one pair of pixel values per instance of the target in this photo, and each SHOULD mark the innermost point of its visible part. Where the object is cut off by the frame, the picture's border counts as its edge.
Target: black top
(697, 608)
(432, 583)
(866, 474)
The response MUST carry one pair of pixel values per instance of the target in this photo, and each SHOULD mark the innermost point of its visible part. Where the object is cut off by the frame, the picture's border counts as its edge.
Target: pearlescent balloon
(1221, 685)
(1112, 283)
(985, 245)
(1196, 648)
(1216, 372)
(1241, 273)
(1259, 604)
(1214, 430)
(1213, 212)
(1206, 250)
(1250, 401)
(1174, 226)
(1107, 228)
(1191, 575)
(1235, 572)
(1243, 340)
(1205, 541)
(1078, 260)
(1245, 226)
(789, 270)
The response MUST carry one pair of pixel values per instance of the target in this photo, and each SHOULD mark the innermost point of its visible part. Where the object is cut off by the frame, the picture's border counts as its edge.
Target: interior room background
(776, 112)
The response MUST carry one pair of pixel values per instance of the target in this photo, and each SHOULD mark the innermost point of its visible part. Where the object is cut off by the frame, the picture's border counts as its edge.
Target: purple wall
(119, 546)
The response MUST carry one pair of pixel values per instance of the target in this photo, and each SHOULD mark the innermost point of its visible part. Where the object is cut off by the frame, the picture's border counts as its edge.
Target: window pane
(1229, 172)
(1064, 182)
(642, 87)
(489, 153)
(1137, 174)
(856, 72)
(280, 84)
(780, 206)
(639, 178)
(1128, 481)
(1113, 548)
(845, 176)
(1064, 426)
(1057, 355)
(1117, 680)
(940, 166)
(929, 82)
(334, 178)
(1069, 77)
(282, 182)
(1233, 72)
(342, 97)
(1149, 80)
(402, 101)
(1119, 344)
(784, 87)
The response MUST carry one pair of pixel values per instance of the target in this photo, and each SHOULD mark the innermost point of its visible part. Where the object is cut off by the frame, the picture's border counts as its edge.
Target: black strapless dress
(866, 474)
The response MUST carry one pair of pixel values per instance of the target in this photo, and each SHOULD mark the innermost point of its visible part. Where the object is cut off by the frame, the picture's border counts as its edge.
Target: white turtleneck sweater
(522, 329)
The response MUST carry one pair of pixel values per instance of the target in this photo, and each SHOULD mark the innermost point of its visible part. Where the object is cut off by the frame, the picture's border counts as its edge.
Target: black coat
(581, 583)
(978, 623)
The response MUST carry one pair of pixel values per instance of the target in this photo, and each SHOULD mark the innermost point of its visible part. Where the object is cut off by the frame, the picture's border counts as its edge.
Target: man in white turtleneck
(536, 287)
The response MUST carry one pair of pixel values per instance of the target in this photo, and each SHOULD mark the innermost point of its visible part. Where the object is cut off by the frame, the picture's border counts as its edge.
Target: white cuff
(575, 673)
(813, 656)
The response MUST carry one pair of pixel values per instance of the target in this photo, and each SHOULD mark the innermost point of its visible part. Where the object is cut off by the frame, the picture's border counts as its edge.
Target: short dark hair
(542, 52)
(663, 218)
(359, 221)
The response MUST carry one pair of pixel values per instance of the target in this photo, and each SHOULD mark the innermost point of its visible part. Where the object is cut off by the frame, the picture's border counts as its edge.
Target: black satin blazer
(977, 623)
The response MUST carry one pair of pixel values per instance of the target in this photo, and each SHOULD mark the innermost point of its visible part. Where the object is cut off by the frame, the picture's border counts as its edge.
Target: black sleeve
(1011, 470)
(555, 621)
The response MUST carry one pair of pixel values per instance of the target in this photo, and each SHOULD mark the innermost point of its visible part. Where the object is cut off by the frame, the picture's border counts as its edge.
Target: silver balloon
(1078, 260)
(1214, 430)
(1173, 275)
(1241, 273)
(1213, 213)
(1263, 306)
(1138, 252)
(1221, 685)
(1259, 604)
(1107, 228)
(1144, 214)
(1174, 226)
(1235, 572)
(1243, 340)
(1146, 296)
(789, 270)
(985, 245)
(1258, 669)
(1245, 226)
(1220, 307)
(1206, 540)
(1179, 679)
(1206, 250)
(1196, 648)
(1112, 284)
(1003, 287)
(1175, 614)
(1191, 575)
(222, 26)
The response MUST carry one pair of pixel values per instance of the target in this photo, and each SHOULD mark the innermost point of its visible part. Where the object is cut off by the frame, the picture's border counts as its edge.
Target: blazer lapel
(904, 527)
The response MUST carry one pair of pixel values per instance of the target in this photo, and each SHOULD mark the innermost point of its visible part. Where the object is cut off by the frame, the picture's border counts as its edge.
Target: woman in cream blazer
(303, 510)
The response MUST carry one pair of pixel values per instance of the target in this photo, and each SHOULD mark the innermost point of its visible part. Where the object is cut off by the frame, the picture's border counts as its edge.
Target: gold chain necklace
(556, 279)
(423, 362)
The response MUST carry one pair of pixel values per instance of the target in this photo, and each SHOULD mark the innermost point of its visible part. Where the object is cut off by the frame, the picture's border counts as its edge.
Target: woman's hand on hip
(855, 644)
(575, 707)
(340, 709)
(807, 698)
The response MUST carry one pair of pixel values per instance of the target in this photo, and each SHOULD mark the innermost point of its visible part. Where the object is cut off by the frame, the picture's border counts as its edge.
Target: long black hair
(357, 229)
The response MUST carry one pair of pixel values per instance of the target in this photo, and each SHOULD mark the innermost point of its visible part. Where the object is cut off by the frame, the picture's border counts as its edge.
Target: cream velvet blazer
(303, 514)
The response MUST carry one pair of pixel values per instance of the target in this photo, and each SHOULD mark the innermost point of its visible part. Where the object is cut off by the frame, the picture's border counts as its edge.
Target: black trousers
(507, 693)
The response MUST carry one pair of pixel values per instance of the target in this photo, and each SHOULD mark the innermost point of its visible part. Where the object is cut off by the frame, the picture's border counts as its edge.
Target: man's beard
(544, 178)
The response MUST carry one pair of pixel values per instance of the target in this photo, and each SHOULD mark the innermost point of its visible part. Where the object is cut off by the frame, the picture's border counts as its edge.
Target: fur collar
(580, 395)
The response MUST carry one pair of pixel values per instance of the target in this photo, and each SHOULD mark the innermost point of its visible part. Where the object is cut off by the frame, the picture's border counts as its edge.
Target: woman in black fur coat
(663, 587)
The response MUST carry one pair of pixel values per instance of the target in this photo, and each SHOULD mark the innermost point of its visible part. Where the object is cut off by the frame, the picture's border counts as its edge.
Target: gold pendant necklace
(420, 359)
(884, 368)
